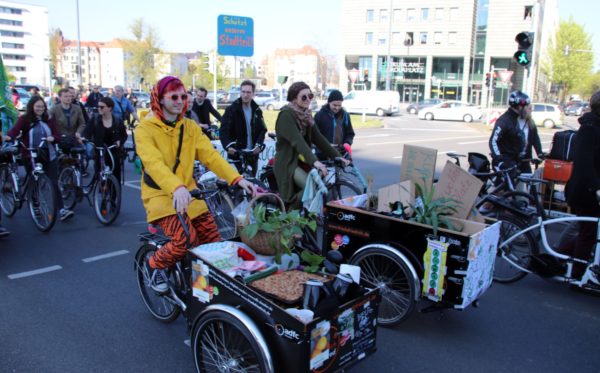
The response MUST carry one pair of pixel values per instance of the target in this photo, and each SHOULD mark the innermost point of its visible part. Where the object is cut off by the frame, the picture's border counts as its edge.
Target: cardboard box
(458, 184)
(403, 192)
(418, 164)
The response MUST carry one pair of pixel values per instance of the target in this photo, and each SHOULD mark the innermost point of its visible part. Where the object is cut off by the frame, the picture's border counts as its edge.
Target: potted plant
(433, 211)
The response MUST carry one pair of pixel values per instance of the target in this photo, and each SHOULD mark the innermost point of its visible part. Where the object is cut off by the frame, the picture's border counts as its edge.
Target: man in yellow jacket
(167, 144)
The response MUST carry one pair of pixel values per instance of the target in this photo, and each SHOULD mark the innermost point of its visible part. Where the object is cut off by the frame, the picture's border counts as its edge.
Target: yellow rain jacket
(156, 145)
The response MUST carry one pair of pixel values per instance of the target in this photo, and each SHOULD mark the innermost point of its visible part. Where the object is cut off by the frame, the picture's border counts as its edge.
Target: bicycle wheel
(518, 251)
(342, 189)
(43, 206)
(222, 343)
(67, 184)
(7, 193)
(159, 305)
(384, 269)
(221, 207)
(107, 200)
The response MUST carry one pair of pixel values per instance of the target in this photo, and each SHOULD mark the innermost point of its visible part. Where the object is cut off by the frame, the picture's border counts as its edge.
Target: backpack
(563, 145)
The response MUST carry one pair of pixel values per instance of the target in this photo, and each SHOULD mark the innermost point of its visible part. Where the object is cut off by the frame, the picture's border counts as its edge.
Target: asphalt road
(70, 303)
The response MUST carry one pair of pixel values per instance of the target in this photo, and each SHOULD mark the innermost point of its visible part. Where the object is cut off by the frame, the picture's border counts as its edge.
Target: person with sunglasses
(296, 134)
(243, 126)
(104, 129)
(168, 143)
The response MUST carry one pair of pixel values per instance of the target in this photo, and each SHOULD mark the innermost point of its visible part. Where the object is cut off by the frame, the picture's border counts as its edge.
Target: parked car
(261, 97)
(372, 102)
(275, 104)
(143, 100)
(547, 115)
(416, 106)
(576, 109)
(452, 110)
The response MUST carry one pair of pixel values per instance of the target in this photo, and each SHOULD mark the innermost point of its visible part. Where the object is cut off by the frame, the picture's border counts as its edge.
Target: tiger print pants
(204, 231)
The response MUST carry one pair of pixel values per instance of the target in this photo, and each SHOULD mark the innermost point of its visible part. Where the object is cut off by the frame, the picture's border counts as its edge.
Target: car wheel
(270, 107)
(429, 116)
(468, 118)
(548, 123)
(413, 110)
(380, 112)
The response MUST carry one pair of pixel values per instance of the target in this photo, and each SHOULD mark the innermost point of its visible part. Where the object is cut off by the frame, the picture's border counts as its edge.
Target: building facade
(438, 48)
(24, 42)
(298, 64)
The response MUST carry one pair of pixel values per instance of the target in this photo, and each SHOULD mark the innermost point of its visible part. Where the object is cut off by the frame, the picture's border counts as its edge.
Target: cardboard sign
(418, 164)
(403, 192)
(458, 184)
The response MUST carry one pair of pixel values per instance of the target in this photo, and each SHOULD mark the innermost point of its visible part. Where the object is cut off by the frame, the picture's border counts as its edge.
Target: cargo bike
(237, 328)
(408, 263)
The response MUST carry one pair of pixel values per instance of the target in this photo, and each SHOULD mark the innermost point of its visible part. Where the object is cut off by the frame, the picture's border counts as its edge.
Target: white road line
(424, 140)
(188, 342)
(473, 142)
(368, 136)
(430, 130)
(15, 276)
(105, 256)
(133, 184)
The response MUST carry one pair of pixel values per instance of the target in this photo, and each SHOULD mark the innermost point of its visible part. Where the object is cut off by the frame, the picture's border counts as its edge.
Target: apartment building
(298, 64)
(439, 48)
(24, 42)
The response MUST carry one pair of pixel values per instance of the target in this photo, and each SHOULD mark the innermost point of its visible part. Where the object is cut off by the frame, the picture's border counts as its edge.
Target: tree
(590, 85)
(574, 67)
(140, 51)
(249, 72)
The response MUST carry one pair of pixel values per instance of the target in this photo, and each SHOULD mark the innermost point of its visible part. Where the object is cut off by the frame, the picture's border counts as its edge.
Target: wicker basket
(264, 243)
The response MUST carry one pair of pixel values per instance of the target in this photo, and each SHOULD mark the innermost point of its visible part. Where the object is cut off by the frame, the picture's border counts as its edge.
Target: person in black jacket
(243, 126)
(105, 129)
(514, 135)
(203, 108)
(334, 122)
(583, 188)
(93, 99)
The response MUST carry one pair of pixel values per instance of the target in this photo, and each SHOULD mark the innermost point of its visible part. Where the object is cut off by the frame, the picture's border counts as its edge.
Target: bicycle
(36, 189)
(103, 191)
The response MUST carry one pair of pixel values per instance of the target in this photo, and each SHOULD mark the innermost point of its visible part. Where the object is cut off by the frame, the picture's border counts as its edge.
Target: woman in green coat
(296, 133)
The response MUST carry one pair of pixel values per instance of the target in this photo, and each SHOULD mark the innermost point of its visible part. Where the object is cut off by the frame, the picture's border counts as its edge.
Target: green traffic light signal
(522, 58)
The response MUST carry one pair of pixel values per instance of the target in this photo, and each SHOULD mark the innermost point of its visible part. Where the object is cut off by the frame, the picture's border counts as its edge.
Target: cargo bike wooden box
(224, 311)
(405, 261)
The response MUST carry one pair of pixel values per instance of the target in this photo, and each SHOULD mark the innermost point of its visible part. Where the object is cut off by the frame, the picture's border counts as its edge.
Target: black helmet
(518, 98)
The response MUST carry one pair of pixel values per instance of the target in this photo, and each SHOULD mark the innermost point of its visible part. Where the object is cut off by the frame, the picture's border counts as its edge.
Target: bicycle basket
(478, 163)
(264, 243)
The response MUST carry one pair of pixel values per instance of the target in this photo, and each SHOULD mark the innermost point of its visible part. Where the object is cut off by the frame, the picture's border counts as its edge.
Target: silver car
(452, 110)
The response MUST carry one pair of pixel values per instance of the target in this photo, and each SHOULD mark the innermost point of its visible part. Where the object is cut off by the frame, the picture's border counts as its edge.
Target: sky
(191, 25)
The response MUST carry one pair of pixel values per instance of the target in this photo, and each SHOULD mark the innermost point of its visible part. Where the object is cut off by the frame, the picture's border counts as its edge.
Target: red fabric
(166, 84)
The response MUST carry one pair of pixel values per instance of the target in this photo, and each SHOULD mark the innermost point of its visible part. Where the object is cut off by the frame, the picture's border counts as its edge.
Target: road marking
(430, 130)
(188, 342)
(105, 256)
(368, 136)
(34, 272)
(139, 222)
(424, 140)
(133, 184)
(438, 154)
(473, 142)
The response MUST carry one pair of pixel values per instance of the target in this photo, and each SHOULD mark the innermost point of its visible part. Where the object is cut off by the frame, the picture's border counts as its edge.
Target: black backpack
(563, 145)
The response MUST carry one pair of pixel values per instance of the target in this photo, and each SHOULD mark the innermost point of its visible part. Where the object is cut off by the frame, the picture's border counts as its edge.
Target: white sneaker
(65, 214)
(158, 281)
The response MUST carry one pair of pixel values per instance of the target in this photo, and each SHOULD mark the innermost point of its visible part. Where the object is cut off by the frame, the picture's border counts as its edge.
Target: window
(409, 38)
(437, 38)
(369, 38)
(439, 14)
(411, 15)
(453, 14)
(13, 45)
(383, 15)
(14, 34)
(452, 38)
(370, 15)
(5, 9)
(397, 16)
(538, 107)
(550, 108)
(423, 38)
(13, 57)
(424, 14)
(396, 39)
(11, 22)
(382, 39)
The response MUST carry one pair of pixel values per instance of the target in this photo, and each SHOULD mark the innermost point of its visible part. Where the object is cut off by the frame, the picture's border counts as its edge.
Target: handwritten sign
(235, 36)
(418, 164)
(458, 184)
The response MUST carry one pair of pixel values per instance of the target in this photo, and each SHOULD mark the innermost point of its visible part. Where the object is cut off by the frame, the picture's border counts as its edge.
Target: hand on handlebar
(249, 187)
(231, 151)
(321, 167)
(181, 199)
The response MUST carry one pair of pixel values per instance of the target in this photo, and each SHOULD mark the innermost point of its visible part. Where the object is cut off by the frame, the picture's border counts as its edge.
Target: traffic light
(487, 79)
(525, 41)
(207, 62)
(493, 80)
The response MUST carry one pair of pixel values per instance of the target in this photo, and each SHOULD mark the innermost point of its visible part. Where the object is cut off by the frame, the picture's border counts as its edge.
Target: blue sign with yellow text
(235, 36)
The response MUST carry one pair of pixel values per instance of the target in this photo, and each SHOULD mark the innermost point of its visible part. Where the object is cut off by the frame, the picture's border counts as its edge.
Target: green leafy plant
(285, 226)
(313, 260)
(433, 211)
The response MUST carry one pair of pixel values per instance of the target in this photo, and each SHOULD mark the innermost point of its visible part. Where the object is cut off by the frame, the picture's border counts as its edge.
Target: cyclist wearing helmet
(515, 134)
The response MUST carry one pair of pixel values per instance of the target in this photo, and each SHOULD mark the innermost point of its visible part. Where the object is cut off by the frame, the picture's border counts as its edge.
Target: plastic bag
(240, 211)
(222, 255)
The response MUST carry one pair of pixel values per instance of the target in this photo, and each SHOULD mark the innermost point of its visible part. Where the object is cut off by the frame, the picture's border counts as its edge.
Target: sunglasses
(176, 97)
(102, 106)
(310, 96)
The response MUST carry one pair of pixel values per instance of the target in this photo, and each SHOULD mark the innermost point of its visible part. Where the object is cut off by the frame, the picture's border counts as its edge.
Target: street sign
(505, 75)
(353, 75)
(235, 36)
